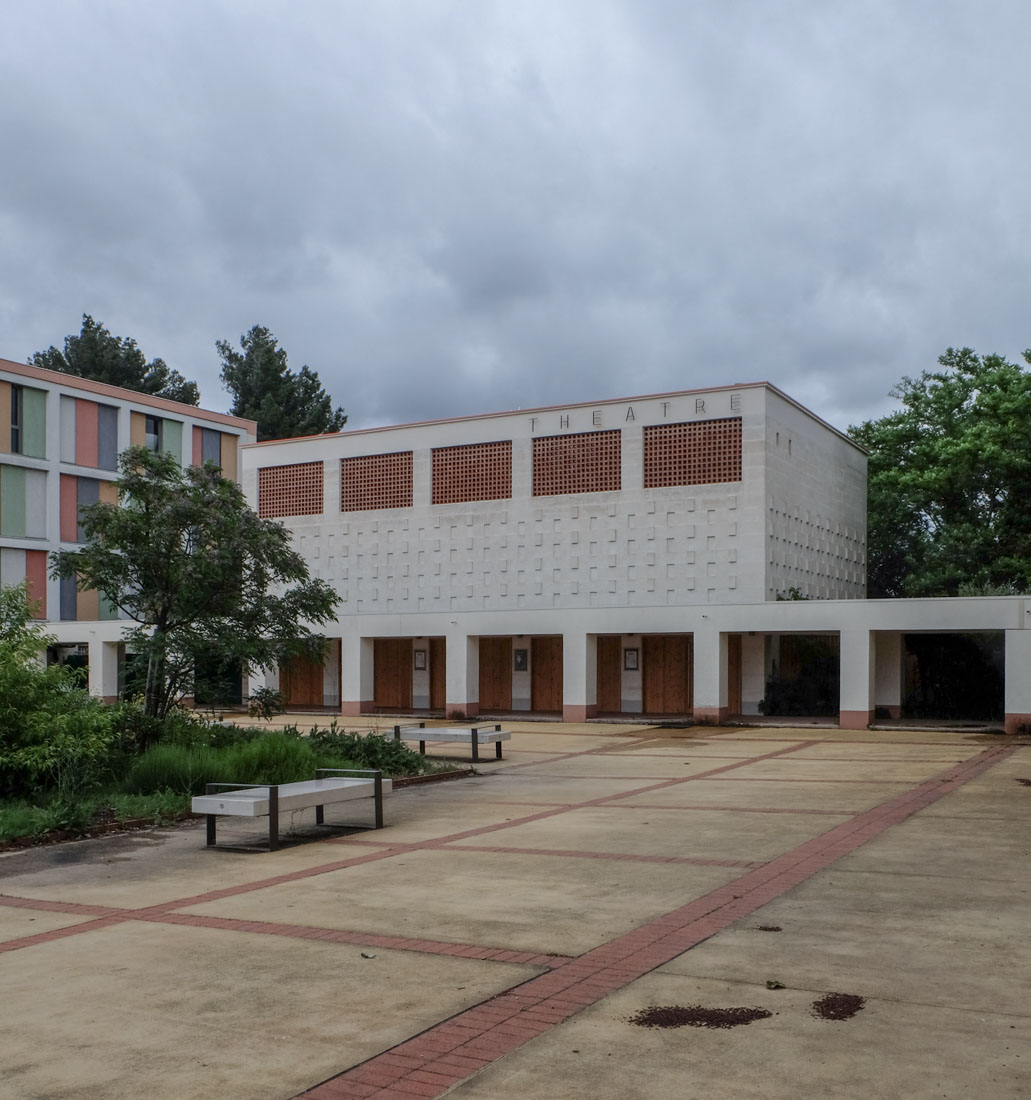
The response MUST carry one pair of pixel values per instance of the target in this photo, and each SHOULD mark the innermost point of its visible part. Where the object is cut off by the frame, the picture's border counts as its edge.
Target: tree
(101, 357)
(949, 507)
(264, 389)
(207, 581)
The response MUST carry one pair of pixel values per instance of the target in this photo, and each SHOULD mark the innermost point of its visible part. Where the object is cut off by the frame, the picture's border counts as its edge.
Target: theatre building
(572, 561)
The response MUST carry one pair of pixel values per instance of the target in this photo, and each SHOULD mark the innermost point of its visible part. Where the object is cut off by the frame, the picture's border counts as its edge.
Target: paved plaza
(497, 939)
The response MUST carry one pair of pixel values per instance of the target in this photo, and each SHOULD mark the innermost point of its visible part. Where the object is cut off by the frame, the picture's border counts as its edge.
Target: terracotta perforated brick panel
(699, 453)
(376, 481)
(294, 490)
(477, 471)
(587, 462)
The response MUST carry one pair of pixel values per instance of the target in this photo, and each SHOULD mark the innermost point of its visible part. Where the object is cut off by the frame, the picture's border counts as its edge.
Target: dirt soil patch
(768, 928)
(1024, 782)
(697, 1016)
(838, 1006)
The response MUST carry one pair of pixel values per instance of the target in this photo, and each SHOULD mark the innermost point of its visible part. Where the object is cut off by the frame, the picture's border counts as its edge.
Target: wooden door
(438, 674)
(734, 674)
(392, 673)
(666, 673)
(495, 674)
(610, 674)
(546, 673)
(300, 682)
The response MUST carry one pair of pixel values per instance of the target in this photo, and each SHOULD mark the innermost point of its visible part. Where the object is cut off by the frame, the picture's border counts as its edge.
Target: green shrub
(372, 750)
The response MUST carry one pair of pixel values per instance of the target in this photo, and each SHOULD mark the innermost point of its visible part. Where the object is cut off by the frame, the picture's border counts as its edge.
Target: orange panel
(137, 429)
(228, 458)
(36, 577)
(87, 606)
(69, 508)
(198, 446)
(108, 492)
(86, 418)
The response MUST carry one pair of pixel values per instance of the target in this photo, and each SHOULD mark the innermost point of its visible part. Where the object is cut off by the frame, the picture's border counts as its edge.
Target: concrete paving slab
(901, 938)
(146, 868)
(16, 923)
(546, 904)
(888, 1050)
(694, 834)
(907, 772)
(516, 784)
(170, 1012)
(622, 766)
(726, 791)
(729, 748)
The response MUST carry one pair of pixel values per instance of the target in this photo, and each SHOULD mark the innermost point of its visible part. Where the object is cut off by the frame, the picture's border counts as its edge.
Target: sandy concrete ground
(497, 937)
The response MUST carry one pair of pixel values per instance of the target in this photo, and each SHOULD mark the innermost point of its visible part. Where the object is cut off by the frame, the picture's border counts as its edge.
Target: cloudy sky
(459, 207)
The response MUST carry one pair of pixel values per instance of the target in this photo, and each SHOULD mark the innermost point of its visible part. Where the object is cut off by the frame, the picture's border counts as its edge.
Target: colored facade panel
(87, 605)
(12, 502)
(107, 437)
(35, 504)
(68, 599)
(172, 438)
(198, 446)
(108, 492)
(69, 508)
(85, 433)
(211, 446)
(229, 456)
(87, 492)
(36, 579)
(137, 430)
(34, 422)
(68, 429)
(12, 567)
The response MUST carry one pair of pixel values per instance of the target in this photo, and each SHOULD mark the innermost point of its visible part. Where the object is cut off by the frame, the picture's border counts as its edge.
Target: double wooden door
(667, 662)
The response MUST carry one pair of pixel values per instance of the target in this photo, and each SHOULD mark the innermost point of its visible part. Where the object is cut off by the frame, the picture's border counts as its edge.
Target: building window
(294, 490)
(701, 452)
(586, 462)
(153, 433)
(376, 481)
(477, 471)
(17, 418)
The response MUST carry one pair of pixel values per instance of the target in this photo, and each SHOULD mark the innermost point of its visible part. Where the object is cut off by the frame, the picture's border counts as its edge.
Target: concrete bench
(469, 735)
(330, 785)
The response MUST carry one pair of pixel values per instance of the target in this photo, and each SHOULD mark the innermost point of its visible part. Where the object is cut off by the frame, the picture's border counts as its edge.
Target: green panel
(108, 611)
(12, 502)
(34, 423)
(172, 438)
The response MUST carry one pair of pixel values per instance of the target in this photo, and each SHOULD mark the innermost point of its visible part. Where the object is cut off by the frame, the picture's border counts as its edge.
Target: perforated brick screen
(477, 471)
(587, 462)
(376, 481)
(294, 490)
(700, 453)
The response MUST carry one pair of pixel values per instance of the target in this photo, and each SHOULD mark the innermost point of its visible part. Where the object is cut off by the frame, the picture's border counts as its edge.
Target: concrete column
(462, 690)
(753, 672)
(888, 675)
(103, 670)
(710, 676)
(357, 685)
(259, 678)
(858, 666)
(1017, 691)
(579, 676)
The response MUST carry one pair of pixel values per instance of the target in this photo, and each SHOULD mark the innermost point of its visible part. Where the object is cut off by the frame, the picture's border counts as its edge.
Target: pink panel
(69, 507)
(86, 417)
(36, 575)
(198, 446)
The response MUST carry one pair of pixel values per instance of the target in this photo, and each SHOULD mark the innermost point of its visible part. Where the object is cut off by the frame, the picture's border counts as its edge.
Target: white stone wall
(664, 547)
(816, 507)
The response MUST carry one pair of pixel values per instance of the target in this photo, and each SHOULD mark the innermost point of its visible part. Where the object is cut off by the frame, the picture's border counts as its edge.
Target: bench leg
(318, 815)
(211, 830)
(273, 818)
(378, 800)
(476, 747)
(497, 750)
(422, 747)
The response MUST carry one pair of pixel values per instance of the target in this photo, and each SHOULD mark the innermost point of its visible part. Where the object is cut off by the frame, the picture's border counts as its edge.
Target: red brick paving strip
(431, 1063)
